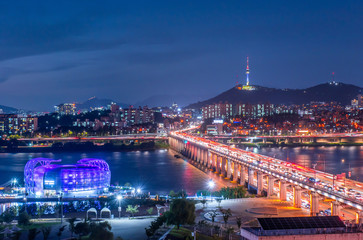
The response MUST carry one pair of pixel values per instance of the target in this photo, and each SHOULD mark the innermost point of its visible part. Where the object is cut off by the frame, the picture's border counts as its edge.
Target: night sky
(58, 51)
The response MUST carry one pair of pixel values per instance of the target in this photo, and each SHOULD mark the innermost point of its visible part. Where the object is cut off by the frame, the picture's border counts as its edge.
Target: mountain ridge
(94, 102)
(325, 92)
(7, 109)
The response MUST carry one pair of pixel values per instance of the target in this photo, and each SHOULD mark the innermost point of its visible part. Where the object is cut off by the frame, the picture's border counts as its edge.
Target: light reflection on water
(334, 160)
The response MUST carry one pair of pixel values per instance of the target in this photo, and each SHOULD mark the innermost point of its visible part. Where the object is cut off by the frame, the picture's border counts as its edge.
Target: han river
(159, 171)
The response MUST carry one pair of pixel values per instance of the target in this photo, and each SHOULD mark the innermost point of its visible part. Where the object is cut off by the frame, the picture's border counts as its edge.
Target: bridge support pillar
(199, 155)
(297, 196)
(214, 161)
(335, 208)
(229, 168)
(251, 174)
(359, 217)
(195, 151)
(205, 158)
(242, 176)
(235, 172)
(219, 164)
(224, 172)
(282, 187)
(209, 159)
(259, 183)
(314, 204)
(270, 186)
(196, 156)
(187, 150)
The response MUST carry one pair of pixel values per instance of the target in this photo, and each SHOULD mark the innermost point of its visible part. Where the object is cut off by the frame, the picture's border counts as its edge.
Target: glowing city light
(211, 184)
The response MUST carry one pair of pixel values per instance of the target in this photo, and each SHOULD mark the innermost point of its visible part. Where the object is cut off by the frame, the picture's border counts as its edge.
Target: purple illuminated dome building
(89, 177)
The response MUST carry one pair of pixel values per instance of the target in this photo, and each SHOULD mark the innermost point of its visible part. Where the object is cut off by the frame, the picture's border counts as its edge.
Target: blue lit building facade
(89, 177)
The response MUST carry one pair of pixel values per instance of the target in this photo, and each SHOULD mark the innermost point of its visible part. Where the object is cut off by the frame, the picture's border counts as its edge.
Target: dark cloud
(131, 51)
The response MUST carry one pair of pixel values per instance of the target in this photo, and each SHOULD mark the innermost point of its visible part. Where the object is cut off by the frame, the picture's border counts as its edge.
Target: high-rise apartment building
(66, 109)
(218, 110)
(12, 124)
(227, 110)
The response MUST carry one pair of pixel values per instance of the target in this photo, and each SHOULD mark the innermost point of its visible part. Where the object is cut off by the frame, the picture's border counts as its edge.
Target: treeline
(226, 192)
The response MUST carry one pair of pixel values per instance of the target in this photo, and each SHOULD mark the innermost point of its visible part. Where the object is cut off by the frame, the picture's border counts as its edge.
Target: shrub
(24, 219)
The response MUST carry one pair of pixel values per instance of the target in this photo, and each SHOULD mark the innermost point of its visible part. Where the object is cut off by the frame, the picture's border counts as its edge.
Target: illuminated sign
(216, 121)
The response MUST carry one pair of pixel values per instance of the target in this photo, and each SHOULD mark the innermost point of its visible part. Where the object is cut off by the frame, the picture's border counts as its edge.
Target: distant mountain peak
(6, 109)
(95, 102)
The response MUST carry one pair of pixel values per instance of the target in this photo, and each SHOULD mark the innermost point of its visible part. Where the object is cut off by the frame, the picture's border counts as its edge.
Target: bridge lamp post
(314, 166)
(119, 198)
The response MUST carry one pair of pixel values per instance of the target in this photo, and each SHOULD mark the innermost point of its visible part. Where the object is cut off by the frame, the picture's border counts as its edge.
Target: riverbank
(306, 144)
(88, 147)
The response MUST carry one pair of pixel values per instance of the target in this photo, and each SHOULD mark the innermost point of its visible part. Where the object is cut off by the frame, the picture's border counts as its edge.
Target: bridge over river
(261, 173)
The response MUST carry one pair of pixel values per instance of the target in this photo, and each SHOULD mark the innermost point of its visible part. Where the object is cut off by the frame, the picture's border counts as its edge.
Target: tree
(150, 210)
(132, 209)
(203, 201)
(213, 215)
(41, 209)
(149, 232)
(82, 229)
(101, 231)
(16, 235)
(155, 225)
(239, 222)
(226, 214)
(32, 233)
(46, 232)
(219, 200)
(24, 219)
(8, 216)
(229, 231)
(172, 194)
(71, 226)
(60, 231)
(182, 211)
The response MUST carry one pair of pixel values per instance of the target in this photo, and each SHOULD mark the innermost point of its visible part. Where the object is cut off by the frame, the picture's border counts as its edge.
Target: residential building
(66, 109)
(218, 110)
(12, 124)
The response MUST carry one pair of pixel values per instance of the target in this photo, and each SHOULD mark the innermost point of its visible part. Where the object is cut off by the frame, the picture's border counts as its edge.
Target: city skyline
(130, 52)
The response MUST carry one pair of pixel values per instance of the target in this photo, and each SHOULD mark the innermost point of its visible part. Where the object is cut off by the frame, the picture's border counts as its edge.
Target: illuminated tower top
(247, 73)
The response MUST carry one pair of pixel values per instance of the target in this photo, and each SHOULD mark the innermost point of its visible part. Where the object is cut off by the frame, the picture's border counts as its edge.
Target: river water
(332, 159)
(159, 172)
(153, 171)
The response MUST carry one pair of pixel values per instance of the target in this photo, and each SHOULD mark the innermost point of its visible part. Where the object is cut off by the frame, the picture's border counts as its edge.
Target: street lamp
(119, 198)
(211, 185)
(25, 200)
(60, 199)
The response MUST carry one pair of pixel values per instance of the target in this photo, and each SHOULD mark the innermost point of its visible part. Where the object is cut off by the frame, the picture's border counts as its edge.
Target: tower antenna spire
(333, 76)
(247, 73)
